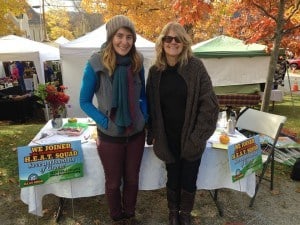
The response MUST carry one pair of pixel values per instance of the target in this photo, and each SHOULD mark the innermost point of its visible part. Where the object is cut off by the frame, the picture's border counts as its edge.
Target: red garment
(15, 73)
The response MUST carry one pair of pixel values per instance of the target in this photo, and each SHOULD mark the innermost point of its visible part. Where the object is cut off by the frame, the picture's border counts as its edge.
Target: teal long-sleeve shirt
(88, 89)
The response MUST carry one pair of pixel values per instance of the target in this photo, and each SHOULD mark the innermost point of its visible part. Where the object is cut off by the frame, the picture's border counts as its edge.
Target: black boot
(173, 205)
(186, 206)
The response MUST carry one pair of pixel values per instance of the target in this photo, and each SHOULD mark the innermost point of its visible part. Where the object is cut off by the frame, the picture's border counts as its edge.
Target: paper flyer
(244, 157)
(50, 163)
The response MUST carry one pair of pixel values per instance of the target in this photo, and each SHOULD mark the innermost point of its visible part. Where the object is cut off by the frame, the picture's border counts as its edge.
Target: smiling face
(122, 41)
(172, 49)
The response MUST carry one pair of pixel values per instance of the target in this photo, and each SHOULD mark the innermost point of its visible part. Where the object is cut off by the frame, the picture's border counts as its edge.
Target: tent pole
(289, 81)
(47, 112)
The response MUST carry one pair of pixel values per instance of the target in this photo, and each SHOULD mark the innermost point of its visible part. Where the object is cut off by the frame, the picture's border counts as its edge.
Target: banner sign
(50, 163)
(244, 158)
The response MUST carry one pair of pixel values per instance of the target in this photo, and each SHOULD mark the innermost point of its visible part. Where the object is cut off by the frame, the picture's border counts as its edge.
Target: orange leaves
(51, 89)
(149, 16)
(256, 22)
(191, 11)
(249, 20)
(262, 28)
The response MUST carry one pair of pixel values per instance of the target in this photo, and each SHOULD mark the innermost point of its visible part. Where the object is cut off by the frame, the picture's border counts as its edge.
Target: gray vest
(104, 99)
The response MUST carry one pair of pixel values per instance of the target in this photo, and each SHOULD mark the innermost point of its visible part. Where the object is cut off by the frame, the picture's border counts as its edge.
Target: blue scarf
(122, 110)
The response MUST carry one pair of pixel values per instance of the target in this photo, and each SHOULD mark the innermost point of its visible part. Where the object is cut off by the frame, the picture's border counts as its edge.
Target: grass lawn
(290, 108)
(12, 136)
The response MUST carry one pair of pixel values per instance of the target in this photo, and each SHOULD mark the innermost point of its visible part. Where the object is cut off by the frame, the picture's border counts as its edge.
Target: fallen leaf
(12, 180)
(3, 173)
(45, 211)
(284, 205)
(234, 223)
(202, 194)
(297, 190)
(275, 192)
(97, 222)
(196, 221)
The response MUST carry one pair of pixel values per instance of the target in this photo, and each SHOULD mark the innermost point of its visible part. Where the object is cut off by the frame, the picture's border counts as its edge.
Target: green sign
(50, 163)
(244, 158)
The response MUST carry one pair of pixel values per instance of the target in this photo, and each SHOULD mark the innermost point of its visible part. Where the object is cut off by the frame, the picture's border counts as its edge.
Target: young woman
(183, 115)
(116, 76)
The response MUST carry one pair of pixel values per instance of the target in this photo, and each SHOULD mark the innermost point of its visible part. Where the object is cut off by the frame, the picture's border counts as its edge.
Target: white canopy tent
(15, 48)
(74, 56)
(61, 40)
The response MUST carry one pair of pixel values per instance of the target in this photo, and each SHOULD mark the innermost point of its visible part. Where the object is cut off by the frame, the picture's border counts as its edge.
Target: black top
(173, 94)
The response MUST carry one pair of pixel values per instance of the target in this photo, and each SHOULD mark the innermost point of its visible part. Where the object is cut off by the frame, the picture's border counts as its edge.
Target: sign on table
(50, 163)
(244, 158)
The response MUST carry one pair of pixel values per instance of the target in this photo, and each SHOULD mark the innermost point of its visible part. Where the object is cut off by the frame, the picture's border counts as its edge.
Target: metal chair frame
(265, 123)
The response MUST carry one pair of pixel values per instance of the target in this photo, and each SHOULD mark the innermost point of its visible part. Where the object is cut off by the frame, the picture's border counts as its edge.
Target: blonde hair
(109, 58)
(161, 60)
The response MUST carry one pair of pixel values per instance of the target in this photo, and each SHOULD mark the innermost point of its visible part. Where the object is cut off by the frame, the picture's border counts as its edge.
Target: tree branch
(291, 29)
(264, 11)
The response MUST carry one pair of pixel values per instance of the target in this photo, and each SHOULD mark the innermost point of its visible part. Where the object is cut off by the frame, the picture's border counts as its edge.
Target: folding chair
(258, 122)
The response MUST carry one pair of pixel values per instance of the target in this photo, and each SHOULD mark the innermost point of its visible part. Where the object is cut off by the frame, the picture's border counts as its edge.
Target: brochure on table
(282, 142)
(244, 157)
(50, 163)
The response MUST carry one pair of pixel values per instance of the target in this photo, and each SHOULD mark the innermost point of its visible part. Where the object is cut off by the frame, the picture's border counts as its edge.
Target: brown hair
(109, 58)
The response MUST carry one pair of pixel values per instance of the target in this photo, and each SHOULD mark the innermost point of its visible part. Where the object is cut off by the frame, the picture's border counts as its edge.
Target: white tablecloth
(214, 173)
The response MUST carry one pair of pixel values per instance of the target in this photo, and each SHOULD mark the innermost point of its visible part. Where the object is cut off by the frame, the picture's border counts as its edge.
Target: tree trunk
(274, 57)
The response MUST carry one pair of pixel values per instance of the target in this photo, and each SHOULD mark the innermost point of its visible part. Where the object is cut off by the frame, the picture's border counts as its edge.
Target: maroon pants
(122, 161)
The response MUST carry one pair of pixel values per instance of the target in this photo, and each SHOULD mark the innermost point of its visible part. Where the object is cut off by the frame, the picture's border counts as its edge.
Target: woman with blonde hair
(183, 112)
(115, 75)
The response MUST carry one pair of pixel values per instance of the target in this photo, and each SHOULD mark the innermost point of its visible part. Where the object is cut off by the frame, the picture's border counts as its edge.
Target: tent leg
(289, 80)
(46, 112)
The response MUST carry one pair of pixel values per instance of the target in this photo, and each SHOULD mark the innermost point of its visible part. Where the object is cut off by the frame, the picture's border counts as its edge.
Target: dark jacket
(200, 117)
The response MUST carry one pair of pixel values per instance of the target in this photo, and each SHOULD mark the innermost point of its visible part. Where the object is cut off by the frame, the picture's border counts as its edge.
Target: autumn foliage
(58, 23)
(248, 20)
(7, 10)
(191, 11)
(256, 21)
(149, 16)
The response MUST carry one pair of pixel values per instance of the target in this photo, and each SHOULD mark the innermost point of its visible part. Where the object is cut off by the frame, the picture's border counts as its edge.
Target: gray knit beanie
(115, 23)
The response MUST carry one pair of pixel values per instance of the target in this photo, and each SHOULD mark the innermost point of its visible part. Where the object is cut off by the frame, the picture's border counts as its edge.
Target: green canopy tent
(224, 46)
(229, 61)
